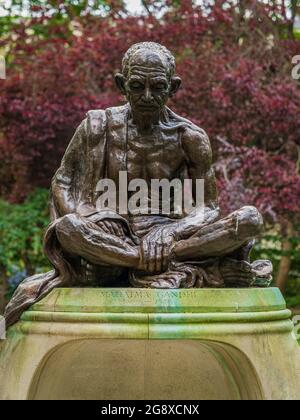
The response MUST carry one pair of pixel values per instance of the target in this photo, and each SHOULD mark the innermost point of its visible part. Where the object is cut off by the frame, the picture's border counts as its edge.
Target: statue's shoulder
(117, 115)
(194, 139)
(188, 127)
(97, 120)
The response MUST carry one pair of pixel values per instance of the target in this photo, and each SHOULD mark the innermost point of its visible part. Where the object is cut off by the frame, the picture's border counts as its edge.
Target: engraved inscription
(146, 296)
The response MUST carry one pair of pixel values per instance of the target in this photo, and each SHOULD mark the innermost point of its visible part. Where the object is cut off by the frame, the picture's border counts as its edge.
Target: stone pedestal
(153, 344)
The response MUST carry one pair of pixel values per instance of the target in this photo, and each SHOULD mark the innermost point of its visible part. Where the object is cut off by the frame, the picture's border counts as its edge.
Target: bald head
(149, 52)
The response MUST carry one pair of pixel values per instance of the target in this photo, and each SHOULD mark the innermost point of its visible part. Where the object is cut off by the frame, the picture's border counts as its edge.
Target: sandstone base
(153, 344)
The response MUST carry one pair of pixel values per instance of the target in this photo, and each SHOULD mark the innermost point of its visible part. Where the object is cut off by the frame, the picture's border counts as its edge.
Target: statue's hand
(156, 248)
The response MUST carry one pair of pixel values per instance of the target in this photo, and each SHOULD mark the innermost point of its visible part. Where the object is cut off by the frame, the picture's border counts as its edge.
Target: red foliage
(251, 175)
(236, 84)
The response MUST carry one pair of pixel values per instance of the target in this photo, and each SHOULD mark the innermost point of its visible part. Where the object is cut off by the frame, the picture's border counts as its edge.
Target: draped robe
(73, 190)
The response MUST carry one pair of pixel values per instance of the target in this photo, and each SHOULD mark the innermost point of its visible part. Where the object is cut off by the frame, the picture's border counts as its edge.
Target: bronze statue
(99, 247)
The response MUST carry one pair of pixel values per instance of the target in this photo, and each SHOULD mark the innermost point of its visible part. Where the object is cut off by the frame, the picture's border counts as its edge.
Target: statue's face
(147, 85)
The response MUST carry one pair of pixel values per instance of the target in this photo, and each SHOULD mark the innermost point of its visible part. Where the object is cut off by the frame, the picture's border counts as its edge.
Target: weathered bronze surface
(94, 247)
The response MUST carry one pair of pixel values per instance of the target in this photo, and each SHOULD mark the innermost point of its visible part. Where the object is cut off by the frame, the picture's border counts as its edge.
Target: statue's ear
(175, 85)
(120, 82)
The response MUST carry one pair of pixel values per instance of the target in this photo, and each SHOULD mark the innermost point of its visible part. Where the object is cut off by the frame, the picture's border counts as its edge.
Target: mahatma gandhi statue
(91, 244)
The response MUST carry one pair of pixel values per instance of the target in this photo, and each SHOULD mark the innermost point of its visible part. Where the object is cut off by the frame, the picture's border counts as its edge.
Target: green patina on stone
(162, 301)
(137, 338)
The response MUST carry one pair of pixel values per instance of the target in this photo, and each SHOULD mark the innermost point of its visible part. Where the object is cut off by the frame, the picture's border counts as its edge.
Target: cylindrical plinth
(153, 344)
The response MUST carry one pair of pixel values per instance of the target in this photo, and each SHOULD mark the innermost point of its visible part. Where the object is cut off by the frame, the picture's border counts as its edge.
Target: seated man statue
(92, 245)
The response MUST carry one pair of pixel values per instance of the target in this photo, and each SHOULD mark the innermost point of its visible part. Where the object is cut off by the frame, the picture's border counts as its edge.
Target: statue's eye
(160, 86)
(136, 86)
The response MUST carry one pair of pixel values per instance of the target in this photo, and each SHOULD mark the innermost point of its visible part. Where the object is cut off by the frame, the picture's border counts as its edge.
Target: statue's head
(148, 77)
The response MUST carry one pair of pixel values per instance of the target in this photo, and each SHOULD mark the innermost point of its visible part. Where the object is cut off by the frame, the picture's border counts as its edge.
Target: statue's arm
(72, 183)
(72, 180)
(198, 154)
(62, 188)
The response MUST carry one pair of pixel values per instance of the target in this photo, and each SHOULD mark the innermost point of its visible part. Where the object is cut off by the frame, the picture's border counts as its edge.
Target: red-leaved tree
(235, 63)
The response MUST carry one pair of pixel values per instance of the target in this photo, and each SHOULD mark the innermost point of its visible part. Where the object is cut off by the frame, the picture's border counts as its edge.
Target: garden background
(235, 59)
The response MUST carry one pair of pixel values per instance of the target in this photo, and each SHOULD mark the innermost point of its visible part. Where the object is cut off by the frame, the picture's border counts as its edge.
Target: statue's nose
(147, 95)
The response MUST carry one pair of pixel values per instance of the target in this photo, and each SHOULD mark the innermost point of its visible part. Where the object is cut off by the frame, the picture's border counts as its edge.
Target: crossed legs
(81, 237)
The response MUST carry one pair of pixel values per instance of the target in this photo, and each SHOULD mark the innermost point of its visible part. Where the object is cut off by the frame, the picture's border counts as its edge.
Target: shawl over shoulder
(82, 166)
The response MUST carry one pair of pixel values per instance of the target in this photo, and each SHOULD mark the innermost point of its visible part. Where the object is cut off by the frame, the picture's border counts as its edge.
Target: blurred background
(238, 61)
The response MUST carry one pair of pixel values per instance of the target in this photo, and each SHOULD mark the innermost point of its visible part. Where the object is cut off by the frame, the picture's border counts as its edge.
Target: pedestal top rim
(130, 300)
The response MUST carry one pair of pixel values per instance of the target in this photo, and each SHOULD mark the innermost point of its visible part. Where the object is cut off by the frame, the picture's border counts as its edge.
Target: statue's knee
(67, 225)
(250, 222)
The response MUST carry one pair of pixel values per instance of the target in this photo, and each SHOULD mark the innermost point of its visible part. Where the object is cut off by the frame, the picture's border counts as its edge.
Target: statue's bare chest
(154, 155)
